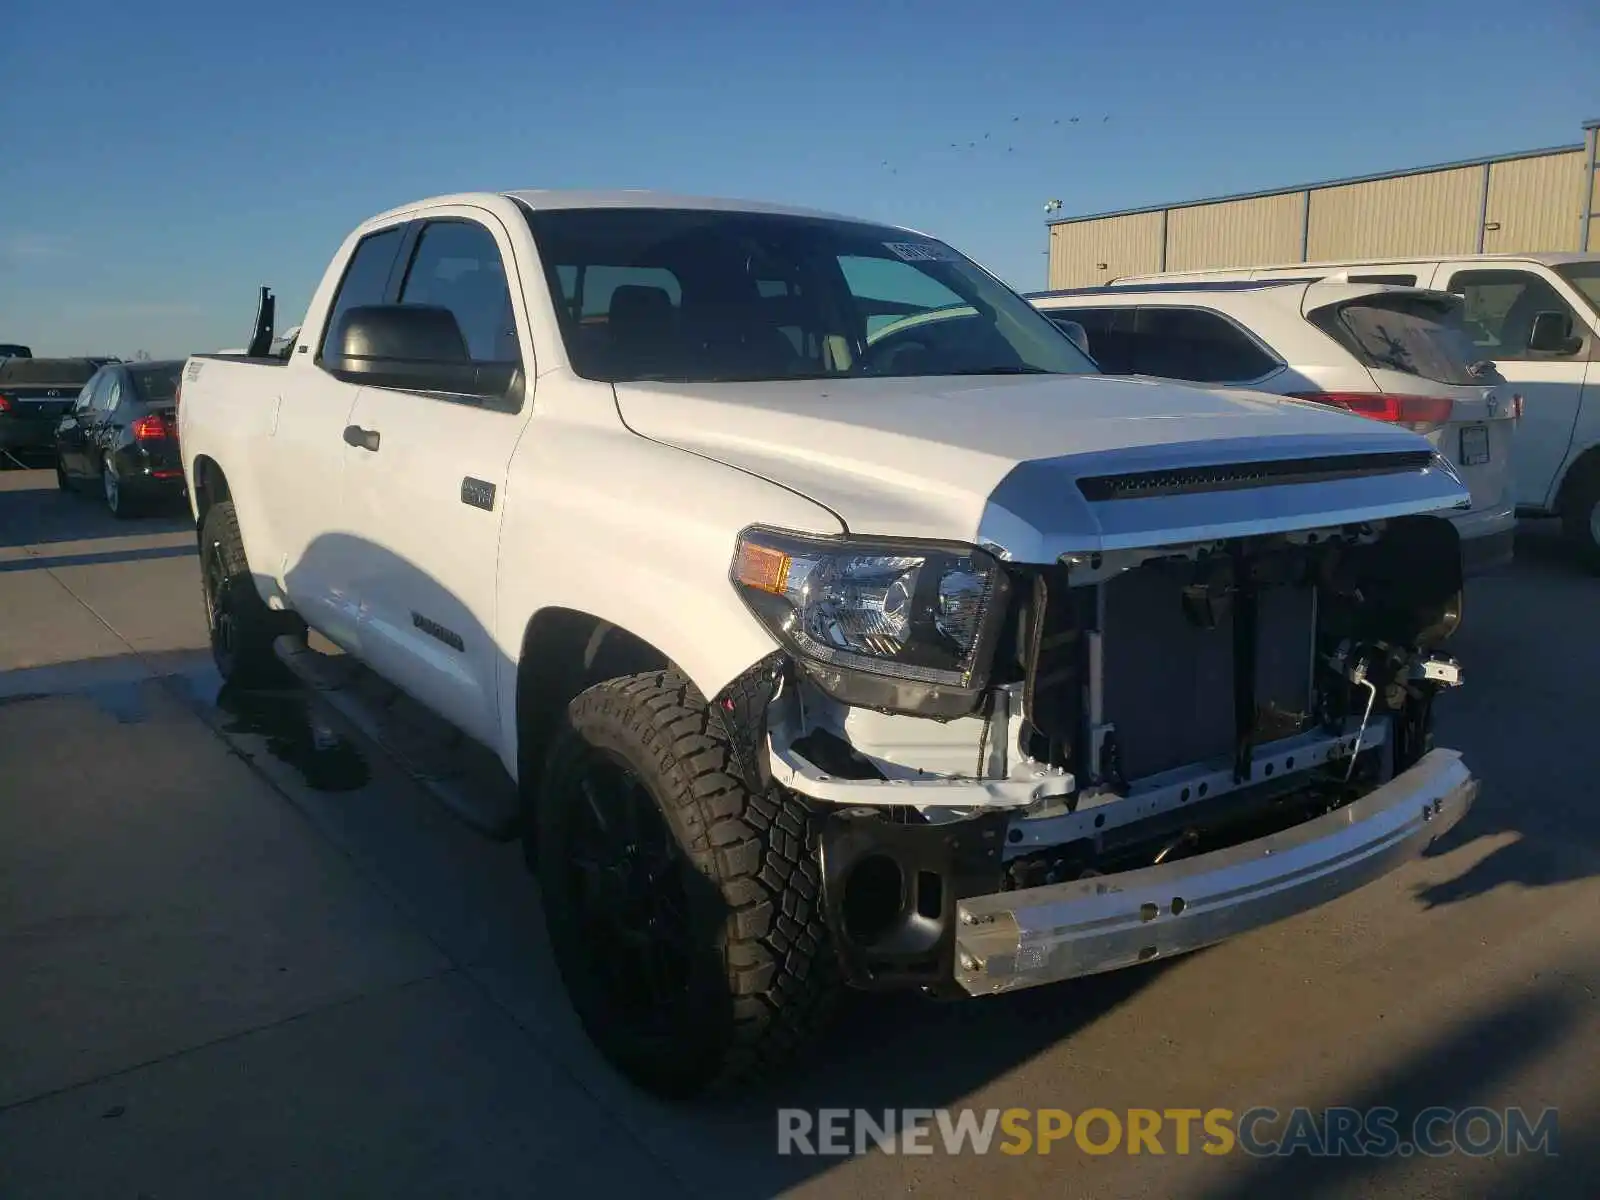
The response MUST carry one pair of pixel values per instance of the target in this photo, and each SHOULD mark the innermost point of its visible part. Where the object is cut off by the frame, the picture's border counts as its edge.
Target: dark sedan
(121, 436)
(34, 393)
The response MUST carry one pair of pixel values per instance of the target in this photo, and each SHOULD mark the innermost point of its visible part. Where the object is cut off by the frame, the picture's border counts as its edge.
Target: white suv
(1395, 354)
(1537, 317)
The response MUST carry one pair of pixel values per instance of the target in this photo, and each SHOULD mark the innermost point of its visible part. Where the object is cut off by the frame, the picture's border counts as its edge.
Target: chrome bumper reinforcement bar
(1019, 939)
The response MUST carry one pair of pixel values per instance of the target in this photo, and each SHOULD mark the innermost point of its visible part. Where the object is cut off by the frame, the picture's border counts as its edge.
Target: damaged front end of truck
(1167, 698)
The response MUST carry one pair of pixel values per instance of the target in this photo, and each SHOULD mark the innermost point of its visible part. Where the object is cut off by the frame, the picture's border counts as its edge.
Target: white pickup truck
(813, 652)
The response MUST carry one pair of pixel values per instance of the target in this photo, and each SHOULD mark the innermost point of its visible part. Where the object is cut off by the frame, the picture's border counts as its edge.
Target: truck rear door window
(1409, 334)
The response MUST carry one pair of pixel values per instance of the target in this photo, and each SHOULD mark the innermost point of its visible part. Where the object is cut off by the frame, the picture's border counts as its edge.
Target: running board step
(460, 773)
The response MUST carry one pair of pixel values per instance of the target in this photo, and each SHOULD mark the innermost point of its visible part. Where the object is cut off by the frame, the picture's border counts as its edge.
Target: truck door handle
(361, 439)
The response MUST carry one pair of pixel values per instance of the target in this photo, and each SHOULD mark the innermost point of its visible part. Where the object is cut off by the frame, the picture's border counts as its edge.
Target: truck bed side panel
(227, 413)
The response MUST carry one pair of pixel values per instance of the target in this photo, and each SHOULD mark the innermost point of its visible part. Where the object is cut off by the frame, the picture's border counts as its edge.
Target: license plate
(1474, 445)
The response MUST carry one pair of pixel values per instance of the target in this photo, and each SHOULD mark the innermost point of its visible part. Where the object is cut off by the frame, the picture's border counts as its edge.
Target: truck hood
(1004, 461)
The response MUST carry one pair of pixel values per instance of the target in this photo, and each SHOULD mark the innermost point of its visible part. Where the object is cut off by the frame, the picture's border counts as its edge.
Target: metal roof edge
(1220, 285)
(1326, 183)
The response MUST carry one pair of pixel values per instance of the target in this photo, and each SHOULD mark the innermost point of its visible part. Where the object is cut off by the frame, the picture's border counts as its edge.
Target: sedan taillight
(153, 428)
(5, 404)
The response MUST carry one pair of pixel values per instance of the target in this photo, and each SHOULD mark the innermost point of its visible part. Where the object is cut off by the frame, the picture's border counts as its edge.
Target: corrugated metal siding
(1536, 202)
(1436, 213)
(1591, 187)
(1125, 245)
(1236, 234)
(1594, 207)
(1536, 199)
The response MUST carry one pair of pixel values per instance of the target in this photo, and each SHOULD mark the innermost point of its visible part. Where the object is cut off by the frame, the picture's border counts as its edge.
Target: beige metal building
(1536, 200)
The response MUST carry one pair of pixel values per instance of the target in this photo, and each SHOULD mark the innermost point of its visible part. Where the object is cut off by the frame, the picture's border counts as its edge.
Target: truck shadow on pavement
(1525, 722)
(1487, 1059)
(95, 558)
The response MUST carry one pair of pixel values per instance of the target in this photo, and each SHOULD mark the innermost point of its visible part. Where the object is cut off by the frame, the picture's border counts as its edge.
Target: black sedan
(121, 436)
(34, 393)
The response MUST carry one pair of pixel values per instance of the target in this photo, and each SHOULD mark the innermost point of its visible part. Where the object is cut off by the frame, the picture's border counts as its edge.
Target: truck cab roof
(547, 199)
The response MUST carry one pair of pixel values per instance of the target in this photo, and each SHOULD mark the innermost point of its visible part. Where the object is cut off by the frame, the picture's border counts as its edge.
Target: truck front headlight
(918, 613)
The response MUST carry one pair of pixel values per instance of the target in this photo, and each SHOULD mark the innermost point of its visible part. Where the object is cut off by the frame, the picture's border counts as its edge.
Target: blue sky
(163, 160)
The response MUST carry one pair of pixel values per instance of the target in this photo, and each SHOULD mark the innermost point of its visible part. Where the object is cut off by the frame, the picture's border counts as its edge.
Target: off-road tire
(241, 626)
(764, 979)
(1578, 508)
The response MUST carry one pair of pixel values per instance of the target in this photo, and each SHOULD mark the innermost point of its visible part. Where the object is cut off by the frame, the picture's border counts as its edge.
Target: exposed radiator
(1167, 683)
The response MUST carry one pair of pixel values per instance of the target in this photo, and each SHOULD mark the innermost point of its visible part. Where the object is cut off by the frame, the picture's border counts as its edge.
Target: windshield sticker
(921, 251)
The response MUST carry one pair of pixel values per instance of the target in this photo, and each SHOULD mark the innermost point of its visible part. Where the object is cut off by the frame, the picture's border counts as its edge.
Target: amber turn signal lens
(762, 567)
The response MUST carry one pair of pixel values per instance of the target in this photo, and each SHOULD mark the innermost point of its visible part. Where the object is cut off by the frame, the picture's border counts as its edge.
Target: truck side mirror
(1552, 334)
(416, 348)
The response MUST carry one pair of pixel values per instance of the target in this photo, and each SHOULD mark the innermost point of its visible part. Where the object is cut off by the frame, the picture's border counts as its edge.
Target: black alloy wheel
(624, 884)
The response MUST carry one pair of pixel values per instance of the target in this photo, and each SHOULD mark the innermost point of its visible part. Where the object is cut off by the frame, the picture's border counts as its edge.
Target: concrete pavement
(243, 956)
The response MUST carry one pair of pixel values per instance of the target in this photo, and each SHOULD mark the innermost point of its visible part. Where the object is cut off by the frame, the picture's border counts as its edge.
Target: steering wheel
(896, 356)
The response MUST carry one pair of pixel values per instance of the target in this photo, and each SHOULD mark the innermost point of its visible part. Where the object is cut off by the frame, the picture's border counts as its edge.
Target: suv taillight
(153, 428)
(1421, 413)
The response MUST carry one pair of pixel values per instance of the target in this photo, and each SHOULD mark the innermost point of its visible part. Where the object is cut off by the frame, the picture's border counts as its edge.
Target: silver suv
(1394, 354)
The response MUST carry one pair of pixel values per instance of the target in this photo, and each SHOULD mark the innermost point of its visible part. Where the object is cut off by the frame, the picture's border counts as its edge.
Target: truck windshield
(1410, 333)
(1585, 277)
(702, 296)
